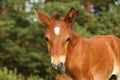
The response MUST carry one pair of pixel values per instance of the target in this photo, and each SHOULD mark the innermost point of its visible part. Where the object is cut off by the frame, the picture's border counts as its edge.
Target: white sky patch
(57, 30)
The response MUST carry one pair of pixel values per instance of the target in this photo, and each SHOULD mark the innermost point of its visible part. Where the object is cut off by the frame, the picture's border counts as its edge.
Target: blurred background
(23, 51)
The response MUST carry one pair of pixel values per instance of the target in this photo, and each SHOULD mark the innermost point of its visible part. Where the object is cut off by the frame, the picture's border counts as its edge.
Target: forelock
(56, 15)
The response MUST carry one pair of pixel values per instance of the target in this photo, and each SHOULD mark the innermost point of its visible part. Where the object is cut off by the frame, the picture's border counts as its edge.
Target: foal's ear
(71, 15)
(42, 17)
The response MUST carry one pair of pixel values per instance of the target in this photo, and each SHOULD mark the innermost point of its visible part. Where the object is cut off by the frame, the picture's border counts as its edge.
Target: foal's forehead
(57, 28)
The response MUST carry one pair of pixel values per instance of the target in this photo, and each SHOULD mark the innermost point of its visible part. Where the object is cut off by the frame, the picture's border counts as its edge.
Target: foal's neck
(75, 38)
(76, 41)
(76, 44)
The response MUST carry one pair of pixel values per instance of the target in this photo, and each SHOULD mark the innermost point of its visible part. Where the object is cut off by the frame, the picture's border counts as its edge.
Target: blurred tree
(107, 23)
(0, 7)
(97, 5)
(21, 40)
(99, 2)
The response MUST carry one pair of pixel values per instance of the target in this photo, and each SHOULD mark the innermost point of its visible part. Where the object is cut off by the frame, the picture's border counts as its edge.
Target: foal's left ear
(71, 15)
(42, 17)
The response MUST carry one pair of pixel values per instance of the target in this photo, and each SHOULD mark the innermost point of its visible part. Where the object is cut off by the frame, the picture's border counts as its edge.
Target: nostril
(61, 68)
(61, 65)
(53, 66)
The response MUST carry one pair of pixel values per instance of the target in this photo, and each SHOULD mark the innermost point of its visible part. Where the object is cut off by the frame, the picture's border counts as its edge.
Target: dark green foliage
(22, 44)
(107, 22)
(6, 74)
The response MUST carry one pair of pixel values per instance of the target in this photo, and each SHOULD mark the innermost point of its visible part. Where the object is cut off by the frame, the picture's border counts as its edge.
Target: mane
(56, 15)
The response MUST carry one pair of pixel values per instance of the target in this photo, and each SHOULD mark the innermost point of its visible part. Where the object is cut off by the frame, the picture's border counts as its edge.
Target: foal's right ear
(42, 17)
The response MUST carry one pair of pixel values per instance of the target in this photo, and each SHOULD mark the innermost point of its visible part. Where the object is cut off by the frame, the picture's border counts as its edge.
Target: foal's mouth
(60, 68)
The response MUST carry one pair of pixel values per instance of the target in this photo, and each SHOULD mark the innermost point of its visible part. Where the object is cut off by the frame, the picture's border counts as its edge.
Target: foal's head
(57, 36)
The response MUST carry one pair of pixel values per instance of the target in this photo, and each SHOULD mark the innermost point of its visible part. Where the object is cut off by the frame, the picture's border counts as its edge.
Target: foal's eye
(46, 38)
(68, 39)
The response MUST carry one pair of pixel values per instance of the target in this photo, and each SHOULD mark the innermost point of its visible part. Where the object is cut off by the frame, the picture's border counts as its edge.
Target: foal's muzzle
(60, 68)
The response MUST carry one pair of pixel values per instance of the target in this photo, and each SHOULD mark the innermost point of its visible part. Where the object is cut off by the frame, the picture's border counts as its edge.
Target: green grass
(6, 74)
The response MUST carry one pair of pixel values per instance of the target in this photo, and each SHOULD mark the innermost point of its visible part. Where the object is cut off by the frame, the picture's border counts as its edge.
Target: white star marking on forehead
(57, 30)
